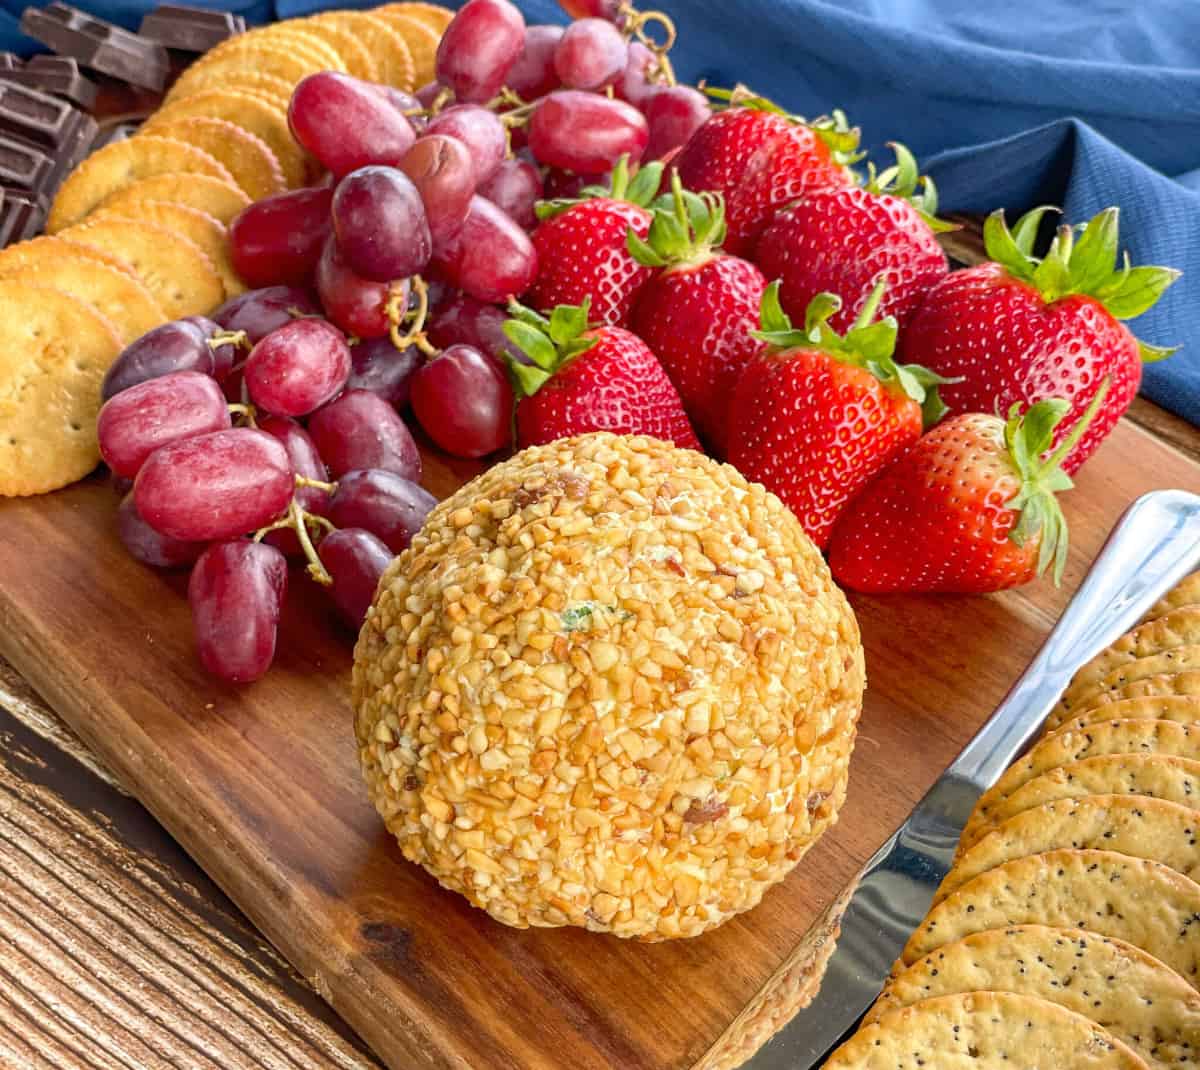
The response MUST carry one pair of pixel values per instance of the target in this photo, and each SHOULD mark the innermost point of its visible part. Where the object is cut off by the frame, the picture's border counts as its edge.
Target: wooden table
(118, 952)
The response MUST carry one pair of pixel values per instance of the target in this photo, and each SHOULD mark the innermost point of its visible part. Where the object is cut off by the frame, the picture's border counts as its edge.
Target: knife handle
(1154, 545)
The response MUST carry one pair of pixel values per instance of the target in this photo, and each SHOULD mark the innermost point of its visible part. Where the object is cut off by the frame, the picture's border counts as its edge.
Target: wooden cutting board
(261, 785)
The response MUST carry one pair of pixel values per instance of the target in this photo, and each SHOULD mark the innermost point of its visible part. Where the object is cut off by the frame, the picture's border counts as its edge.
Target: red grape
(533, 75)
(428, 93)
(302, 452)
(591, 54)
(357, 305)
(477, 128)
(378, 366)
(464, 402)
(359, 429)
(132, 425)
(298, 367)
(490, 257)
(599, 9)
(215, 486)
(404, 103)
(278, 240)
(673, 113)
(236, 593)
(151, 547)
(463, 319)
(479, 48)
(173, 347)
(346, 123)
(224, 356)
(635, 85)
(516, 187)
(380, 223)
(355, 560)
(441, 169)
(566, 185)
(586, 132)
(389, 506)
(259, 312)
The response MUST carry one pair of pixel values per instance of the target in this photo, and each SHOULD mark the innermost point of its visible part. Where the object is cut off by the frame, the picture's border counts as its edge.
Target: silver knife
(1155, 544)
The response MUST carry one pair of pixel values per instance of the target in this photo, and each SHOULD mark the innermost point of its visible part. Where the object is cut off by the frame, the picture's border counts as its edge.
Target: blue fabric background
(1009, 103)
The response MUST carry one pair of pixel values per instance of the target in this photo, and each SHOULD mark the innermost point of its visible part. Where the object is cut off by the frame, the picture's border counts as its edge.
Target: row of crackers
(137, 234)
(1067, 932)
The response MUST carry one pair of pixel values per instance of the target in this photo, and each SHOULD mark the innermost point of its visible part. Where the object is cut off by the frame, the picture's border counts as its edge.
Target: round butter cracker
(179, 274)
(1182, 708)
(117, 165)
(54, 351)
(221, 200)
(113, 289)
(387, 46)
(254, 167)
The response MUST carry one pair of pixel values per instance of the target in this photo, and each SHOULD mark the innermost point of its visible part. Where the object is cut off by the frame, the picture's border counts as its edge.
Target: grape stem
(237, 339)
(297, 520)
(244, 410)
(304, 481)
(398, 313)
(636, 23)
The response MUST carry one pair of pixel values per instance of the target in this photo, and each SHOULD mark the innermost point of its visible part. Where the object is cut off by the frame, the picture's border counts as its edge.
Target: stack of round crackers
(1067, 933)
(138, 232)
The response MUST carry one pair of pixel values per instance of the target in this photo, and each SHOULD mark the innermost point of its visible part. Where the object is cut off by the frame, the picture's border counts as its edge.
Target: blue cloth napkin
(1009, 103)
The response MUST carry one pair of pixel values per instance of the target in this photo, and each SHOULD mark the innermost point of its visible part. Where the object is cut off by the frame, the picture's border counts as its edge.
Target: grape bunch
(312, 461)
(273, 430)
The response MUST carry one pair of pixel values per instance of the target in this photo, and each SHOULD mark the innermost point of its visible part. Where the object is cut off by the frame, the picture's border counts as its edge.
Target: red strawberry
(760, 159)
(581, 247)
(717, 156)
(1023, 329)
(698, 313)
(970, 508)
(843, 241)
(816, 416)
(590, 379)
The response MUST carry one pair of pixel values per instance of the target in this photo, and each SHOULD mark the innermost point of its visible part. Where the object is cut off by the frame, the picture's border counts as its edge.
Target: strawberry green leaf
(1052, 276)
(644, 187)
(1000, 246)
(933, 408)
(1094, 258)
(1153, 354)
(820, 308)
(568, 322)
(527, 315)
(1138, 291)
(771, 312)
(529, 380)
(1026, 231)
(643, 253)
(532, 342)
(875, 342)
(619, 181)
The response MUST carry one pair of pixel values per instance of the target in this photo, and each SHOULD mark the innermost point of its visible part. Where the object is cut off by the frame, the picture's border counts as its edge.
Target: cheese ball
(611, 684)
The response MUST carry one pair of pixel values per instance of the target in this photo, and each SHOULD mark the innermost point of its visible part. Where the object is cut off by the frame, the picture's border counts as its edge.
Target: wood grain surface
(261, 786)
(117, 950)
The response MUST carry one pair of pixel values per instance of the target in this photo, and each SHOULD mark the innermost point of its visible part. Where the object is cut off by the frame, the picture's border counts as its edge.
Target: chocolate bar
(21, 215)
(54, 74)
(41, 138)
(190, 29)
(98, 45)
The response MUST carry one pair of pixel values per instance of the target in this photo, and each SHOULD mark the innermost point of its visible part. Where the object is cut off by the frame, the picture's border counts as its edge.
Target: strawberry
(589, 378)
(581, 247)
(698, 313)
(1020, 329)
(844, 240)
(760, 158)
(970, 508)
(717, 156)
(817, 415)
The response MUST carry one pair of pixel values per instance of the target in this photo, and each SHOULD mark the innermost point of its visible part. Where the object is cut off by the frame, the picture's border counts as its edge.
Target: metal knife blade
(1154, 545)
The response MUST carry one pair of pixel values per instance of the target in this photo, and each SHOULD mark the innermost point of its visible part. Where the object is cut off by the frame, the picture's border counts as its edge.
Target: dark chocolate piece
(21, 216)
(23, 165)
(190, 29)
(43, 138)
(59, 75)
(98, 45)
